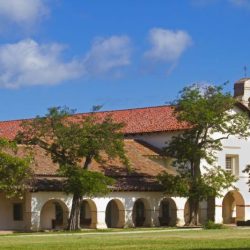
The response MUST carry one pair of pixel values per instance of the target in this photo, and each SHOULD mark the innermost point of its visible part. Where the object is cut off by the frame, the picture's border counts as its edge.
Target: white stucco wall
(127, 199)
(34, 202)
(39, 199)
(156, 139)
(7, 221)
(231, 146)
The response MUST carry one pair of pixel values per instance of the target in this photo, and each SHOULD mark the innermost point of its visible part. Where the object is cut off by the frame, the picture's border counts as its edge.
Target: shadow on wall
(54, 215)
(233, 207)
(115, 214)
(168, 212)
(141, 214)
(88, 214)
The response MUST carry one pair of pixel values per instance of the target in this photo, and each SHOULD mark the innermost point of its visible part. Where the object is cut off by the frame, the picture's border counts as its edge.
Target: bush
(212, 225)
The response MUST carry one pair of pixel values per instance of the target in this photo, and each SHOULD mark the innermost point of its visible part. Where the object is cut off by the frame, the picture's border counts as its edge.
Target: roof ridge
(17, 120)
(120, 110)
(98, 112)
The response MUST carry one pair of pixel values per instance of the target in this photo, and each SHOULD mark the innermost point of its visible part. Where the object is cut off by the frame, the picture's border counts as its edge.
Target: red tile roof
(138, 154)
(141, 177)
(139, 120)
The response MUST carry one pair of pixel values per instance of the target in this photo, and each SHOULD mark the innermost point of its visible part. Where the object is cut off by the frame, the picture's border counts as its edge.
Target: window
(232, 164)
(18, 211)
(229, 163)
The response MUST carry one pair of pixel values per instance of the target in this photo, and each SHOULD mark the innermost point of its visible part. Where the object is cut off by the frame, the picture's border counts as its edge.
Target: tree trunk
(194, 201)
(74, 219)
(193, 213)
(87, 162)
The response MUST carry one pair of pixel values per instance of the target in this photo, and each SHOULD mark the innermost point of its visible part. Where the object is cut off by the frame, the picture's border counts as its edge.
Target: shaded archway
(115, 214)
(187, 212)
(168, 212)
(88, 214)
(54, 215)
(233, 207)
(141, 213)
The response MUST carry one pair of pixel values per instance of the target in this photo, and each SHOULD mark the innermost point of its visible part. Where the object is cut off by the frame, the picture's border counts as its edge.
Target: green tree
(209, 116)
(74, 142)
(15, 172)
(247, 170)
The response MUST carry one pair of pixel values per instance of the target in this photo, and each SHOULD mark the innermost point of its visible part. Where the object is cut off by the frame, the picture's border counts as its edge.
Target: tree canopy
(74, 141)
(210, 115)
(15, 172)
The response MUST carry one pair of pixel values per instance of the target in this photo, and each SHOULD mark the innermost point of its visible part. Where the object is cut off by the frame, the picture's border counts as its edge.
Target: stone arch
(141, 214)
(54, 215)
(88, 214)
(115, 214)
(233, 207)
(168, 212)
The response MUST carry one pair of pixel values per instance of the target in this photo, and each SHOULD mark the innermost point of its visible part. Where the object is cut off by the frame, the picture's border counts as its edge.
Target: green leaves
(212, 118)
(15, 172)
(218, 180)
(74, 141)
(174, 185)
(5, 144)
(85, 183)
(210, 114)
(71, 138)
(210, 184)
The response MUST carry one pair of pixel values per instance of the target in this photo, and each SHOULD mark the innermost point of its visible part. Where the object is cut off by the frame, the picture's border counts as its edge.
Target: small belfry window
(232, 164)
(229, 163)
(17, 211)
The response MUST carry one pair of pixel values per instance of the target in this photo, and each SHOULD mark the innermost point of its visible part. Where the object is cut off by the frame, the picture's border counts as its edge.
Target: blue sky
(119, 54)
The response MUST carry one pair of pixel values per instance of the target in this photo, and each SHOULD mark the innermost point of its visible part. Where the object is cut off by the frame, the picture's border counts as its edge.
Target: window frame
(234, 162)
(18, 211)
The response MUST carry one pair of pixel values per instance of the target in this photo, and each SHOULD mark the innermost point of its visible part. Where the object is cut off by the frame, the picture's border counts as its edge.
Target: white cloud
(27, 63)
(167, 45)
(108, 54)
(22, 11)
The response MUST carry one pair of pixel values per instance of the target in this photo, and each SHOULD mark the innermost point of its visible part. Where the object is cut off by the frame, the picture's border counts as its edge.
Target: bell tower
(242, 91)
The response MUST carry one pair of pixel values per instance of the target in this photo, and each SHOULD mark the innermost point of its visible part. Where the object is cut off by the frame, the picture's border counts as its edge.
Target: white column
(129, 218)
(247, 213)
(180, 205)
(27, 211)
(101, 224)
(155, 209)
(180, 217)
(148, 217)
(35, 212)
(218, 211)
(35, 221)
(155, 218)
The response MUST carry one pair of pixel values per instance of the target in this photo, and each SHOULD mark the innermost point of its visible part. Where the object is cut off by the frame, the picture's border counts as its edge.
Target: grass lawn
(157, 239)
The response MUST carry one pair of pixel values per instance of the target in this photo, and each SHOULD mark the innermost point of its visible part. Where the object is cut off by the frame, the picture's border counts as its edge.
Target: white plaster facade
(39, 211)
(39, 207)
(152, 202)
